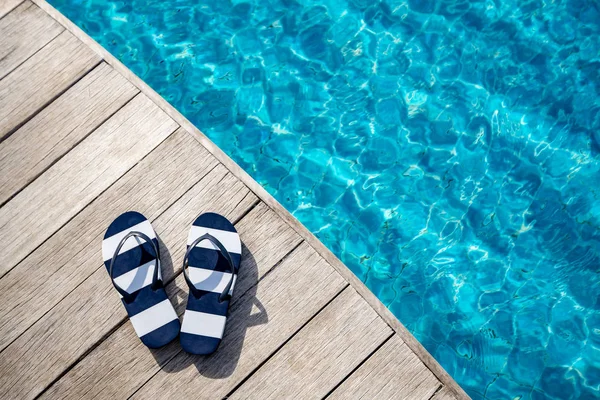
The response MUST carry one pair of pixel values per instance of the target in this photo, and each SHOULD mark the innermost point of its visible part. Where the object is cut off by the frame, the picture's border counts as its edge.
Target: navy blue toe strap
(129, 297)
(197, 293)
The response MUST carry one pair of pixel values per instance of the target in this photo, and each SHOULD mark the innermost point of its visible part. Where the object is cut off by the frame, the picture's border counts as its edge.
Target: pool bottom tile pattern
(446, 151)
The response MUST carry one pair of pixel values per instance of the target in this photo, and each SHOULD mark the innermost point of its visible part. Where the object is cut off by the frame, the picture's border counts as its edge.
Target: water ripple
(447, 151)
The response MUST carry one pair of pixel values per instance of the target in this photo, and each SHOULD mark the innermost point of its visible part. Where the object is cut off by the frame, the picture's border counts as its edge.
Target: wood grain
(258, 324)
(335, 342)
(24, 31)
(267, 198)
(393, 372)
(274, 239)
(118, 366)
(75, 180)
(41, 78)
(7, 6)
(72, 254)
(91, 389)
(261, 231)
(93, 309)
(60, 126)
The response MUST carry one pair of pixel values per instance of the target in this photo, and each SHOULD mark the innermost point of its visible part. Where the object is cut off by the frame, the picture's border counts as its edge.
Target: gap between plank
(85, 354)
(39, 109)
(414, 345)
(247, 290)
(359, 364)
(235, 221)
(35, 52)
(13, 9)
(124, 320)
(72, 147)
(90, 202)
(262, 363)
(94, 271)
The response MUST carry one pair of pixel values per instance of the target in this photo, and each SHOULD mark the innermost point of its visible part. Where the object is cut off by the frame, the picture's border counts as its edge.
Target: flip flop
(132, 259)
(210, 268)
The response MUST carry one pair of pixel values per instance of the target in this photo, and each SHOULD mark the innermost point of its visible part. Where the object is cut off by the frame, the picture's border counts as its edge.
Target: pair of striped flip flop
(131, 255)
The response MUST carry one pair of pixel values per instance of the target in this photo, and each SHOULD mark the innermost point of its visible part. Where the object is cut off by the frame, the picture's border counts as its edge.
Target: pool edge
(267, 198)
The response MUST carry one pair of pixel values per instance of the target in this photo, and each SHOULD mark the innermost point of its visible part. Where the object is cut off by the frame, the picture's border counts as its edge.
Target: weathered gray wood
(89, 389)
(71, 255)
(114, 369)
(258, 324)
(123, 356)
(58, 127)
(41, 78)
(7, 5)
(393, 372)
(314, 361)
(93, 309)
(362, 289)
(25, 30)
(76, 179)
(274, 238)
(444, 393)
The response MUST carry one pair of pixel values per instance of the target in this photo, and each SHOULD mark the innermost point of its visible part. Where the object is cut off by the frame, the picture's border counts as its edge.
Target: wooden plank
(71, 255)
(7, 6)
(114, 369)
(258, 324)
(123, 350)
(326, 350)
(266, 236)
(393, 372)
(93, 309)
(60, 126)
(41, 78)
(75, 180)
(266, 197)
(273, 237)
(130, 364)
(24, 31)
(444, 393)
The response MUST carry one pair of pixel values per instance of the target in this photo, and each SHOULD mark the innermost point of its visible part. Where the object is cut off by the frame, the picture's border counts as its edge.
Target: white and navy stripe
(150, 311)
(204, 319)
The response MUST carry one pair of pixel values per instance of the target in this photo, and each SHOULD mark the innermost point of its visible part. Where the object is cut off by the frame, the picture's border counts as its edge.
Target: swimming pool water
(447, 151)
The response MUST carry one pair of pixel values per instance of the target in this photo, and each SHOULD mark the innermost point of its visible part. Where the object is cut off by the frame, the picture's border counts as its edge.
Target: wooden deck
(84, 140)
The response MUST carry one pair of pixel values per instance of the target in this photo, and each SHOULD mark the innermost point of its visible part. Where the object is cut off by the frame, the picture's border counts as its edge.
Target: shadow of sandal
(223, 362)
(166, 263)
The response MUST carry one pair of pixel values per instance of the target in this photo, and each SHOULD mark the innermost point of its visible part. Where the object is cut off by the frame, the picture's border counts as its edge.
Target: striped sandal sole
(210, 269)
(131, 256)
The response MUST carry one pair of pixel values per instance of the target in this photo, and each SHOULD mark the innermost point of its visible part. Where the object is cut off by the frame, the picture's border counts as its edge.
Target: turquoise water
(447, 151)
